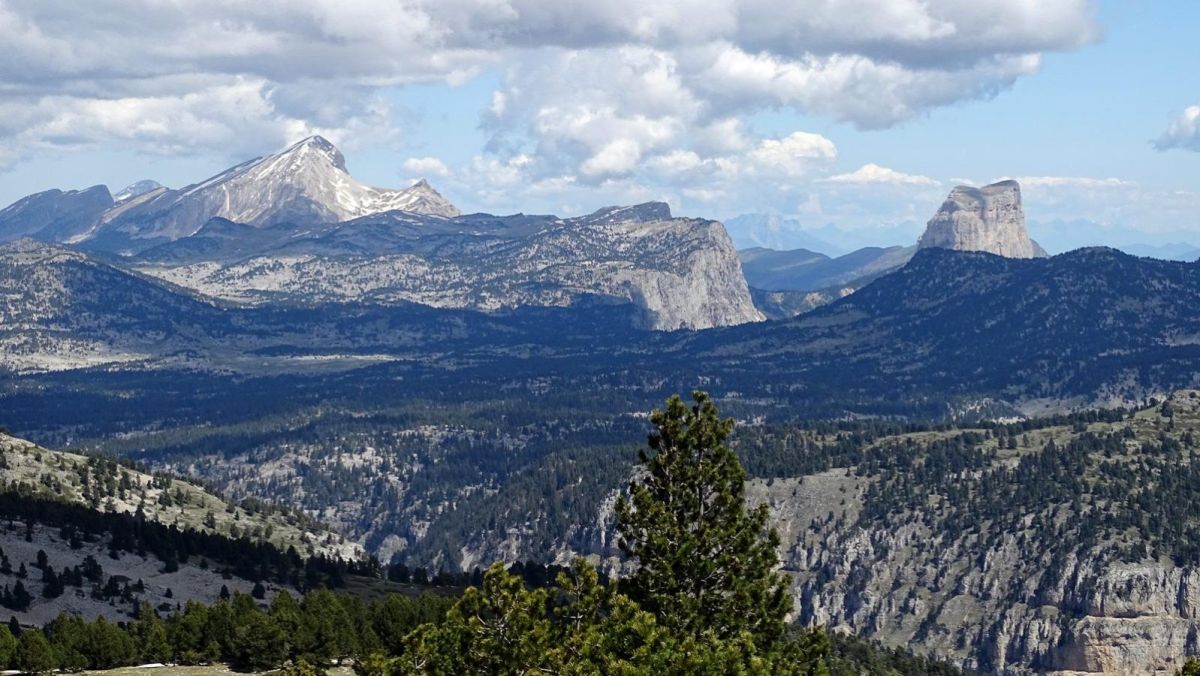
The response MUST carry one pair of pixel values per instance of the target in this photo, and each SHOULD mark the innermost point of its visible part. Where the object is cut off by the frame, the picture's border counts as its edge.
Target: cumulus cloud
(426, 166)
(1184, 132)
(873, 173)
(624, 99)
(719, 57)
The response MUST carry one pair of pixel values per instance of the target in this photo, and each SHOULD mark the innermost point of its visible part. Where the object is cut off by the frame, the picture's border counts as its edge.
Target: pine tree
(286, 615)
(8, 647)
(150, 636)
(109, 646)
(327, 627)
(257, 644)
(705, 562)
(34, 655)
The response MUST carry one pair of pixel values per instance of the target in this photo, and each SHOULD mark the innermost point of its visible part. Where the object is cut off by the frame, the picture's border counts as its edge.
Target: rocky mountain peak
(988, 219)
(303, 184)
(136, 190)
(314, 149)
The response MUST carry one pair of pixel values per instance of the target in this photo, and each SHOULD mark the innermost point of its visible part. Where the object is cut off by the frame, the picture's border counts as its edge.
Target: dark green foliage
(850, 656)
(705, 562)
(34, 654)
(8, 647)
(149, 635)
(251, 560)
(704, 597)
(324, 626)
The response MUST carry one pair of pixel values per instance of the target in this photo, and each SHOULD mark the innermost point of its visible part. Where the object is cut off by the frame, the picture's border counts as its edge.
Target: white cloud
(1183, 133)
(873, 173)
(426, 166)
(321, 63)
(793, 155)
(598, 102)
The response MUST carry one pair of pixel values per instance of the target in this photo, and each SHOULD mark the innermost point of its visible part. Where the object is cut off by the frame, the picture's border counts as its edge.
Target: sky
(850, 119)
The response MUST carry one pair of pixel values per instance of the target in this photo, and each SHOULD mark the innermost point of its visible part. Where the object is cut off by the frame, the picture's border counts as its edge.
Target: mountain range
(453, 389)
(295, 227)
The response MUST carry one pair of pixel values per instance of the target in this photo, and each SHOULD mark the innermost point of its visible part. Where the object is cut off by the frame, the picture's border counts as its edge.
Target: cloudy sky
(851, 118)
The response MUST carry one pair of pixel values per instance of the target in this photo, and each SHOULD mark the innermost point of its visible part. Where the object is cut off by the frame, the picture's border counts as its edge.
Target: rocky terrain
(988, 219)
(59, 476)
(116, 581)
(1038, 548)
(295, 228)
(683, 273)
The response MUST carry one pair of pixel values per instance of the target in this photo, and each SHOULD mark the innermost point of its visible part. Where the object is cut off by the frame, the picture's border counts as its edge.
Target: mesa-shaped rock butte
(988, 219)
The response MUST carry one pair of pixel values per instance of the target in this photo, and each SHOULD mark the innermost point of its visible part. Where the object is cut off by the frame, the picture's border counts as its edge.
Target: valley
(965, 445)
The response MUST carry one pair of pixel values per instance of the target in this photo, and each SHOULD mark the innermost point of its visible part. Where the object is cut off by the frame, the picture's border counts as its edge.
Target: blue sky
(852, 118)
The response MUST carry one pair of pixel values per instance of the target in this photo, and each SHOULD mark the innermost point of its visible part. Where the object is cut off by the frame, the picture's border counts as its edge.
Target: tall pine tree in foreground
(705, 598)
(705, 562)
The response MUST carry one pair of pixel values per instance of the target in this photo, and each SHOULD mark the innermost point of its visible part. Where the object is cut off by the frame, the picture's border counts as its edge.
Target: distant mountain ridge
(803, 270)
(296, 228)
(304, 183)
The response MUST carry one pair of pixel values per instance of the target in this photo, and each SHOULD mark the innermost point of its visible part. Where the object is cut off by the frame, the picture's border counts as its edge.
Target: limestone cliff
(682, 273)
(1014, 560)
(987, 219)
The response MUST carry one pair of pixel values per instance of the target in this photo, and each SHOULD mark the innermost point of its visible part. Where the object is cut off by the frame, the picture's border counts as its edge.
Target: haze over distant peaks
(987, 219)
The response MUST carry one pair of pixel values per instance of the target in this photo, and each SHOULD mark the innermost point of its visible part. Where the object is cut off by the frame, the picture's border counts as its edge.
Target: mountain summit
(304, 184)
(987, 219)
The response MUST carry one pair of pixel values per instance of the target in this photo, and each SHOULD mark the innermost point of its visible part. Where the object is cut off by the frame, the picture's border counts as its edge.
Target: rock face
(54, 215)
(305, 183)
(982, 219)
(683, 273)
(296, 227)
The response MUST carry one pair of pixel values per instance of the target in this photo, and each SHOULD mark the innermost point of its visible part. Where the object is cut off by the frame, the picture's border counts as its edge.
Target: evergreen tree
(286, 615)
(8, 647)
(149, 634)
(109, 646)
(327, 627)
(188, 633)
(705, 562)
(257, 643)
(21, 598)
(70, 637)
(579, 627)
(34, 655)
